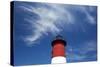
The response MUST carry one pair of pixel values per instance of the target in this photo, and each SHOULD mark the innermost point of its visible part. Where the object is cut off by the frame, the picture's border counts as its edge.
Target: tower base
(58, 60)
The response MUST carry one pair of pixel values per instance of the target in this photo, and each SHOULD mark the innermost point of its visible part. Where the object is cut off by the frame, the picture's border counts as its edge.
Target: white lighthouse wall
(58, 59)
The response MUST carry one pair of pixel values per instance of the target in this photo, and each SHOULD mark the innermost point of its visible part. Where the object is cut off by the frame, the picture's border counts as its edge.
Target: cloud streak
(83, 52)
(53, 19)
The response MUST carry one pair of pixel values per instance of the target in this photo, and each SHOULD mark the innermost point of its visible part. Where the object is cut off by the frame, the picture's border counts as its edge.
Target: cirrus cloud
(54, 18)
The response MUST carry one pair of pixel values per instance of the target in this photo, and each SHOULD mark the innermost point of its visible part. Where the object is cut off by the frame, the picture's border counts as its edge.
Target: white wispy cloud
(72, 57)
(52, 20)
(88, 46)
(89, 17)
(82, 52)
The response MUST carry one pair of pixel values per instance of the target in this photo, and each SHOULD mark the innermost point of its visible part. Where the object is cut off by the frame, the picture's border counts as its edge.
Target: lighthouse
(58, 50)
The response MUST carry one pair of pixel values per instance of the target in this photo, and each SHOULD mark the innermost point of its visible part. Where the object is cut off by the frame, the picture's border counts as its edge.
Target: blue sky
(37, 24)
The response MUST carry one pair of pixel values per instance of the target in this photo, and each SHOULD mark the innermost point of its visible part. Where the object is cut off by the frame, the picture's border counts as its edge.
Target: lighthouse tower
(58, 50)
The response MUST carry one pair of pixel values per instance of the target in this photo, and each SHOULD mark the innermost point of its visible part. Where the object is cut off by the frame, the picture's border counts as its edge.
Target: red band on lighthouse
(58, 50)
